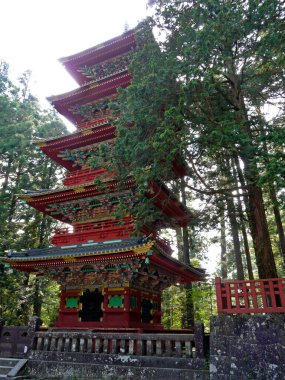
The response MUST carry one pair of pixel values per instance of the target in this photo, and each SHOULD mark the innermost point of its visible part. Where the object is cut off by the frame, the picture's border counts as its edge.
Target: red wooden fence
(250, 296)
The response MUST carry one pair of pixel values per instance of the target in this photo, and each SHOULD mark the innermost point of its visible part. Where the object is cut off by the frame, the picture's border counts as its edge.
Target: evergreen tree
(198, 99)
(23, 167)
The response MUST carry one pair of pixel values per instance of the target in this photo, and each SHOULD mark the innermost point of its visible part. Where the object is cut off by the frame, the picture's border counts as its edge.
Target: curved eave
(186, 273)
(121, 249)
(53, 257)
(169, 204)
(98, 53)
(87, 94)
(41, 200)
(78, 189)
(72, 258)
(170, 207)
(93, 135)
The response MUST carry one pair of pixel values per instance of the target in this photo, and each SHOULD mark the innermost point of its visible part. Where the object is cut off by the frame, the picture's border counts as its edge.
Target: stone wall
(245, 347)
(75, 365)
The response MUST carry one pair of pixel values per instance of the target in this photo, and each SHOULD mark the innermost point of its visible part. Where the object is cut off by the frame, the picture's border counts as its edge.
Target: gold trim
(87, 132)
(26, 197)
(137, 250)
(79, 189)
(69, 259)
(41, 144)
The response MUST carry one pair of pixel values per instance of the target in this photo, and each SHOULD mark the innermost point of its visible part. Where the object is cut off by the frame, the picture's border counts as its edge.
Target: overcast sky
(34, 34)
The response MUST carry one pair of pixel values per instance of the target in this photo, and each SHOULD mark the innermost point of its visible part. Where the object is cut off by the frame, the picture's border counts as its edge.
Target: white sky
(34, 34)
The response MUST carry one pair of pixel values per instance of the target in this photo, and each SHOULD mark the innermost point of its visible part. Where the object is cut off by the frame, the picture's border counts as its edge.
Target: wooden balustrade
(94, 231)
(170, 345)
(83, 176)
(98, 121)
(251, 296)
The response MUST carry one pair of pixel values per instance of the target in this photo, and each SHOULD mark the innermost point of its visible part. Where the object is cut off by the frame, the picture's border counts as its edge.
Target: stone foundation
(60, 365)
(245, 347)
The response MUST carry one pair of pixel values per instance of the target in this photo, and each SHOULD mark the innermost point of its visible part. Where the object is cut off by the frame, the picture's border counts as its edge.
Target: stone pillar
(199, 340)
(33, 326)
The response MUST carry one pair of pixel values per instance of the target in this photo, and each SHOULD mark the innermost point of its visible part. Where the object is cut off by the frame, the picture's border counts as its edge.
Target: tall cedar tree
(200, 94)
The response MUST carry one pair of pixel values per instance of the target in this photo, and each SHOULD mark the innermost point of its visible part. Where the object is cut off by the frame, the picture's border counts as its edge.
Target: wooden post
(218, 285)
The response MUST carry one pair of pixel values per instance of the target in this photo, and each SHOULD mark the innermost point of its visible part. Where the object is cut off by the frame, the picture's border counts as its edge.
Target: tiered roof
(121, 250)
(103, 52)
(100, 71)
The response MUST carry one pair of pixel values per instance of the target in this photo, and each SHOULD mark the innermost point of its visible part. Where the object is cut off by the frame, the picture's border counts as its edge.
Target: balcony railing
(79, 234)
(251, 296)
(100, 118)
(170, 345)
(79, 177)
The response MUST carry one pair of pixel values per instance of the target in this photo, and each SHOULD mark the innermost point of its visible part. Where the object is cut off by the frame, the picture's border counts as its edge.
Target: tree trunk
(224, 269)
(243, 228)
(247, 251)
(278, 221)
(37, 304)
(23, 311)
(235, 236)
(275, 203)
(179, 240)
(7, 175)
(261, 239)
(42, 231)
(13, 203)
(247, 151)
(189, 321)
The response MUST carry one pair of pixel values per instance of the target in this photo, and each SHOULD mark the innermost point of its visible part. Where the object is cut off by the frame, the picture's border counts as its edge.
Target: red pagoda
(110, 278)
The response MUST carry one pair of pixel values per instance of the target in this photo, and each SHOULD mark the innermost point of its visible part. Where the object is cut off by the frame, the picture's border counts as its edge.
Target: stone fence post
(33, 326)
(199, 340)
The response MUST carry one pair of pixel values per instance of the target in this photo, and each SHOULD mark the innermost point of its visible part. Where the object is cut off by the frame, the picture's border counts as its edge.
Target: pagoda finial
(126, 27)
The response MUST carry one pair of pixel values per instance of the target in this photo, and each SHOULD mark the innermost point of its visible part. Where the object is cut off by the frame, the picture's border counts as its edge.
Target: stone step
(10, 368)
(8, 361)
(4, 370)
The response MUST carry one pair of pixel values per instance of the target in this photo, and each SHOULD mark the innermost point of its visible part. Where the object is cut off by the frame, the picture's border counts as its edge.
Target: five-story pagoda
(109, 277)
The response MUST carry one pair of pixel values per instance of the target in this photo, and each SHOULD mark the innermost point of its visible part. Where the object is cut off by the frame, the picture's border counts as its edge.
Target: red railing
(81, 176)
(92, 123)
(251, 296)
(100, 118)
(93, 232)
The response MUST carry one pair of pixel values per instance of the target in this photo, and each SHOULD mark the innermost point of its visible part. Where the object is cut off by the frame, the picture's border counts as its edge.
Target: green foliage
(174, 309)
(23, 167)
(199, 97)
(18, 296)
